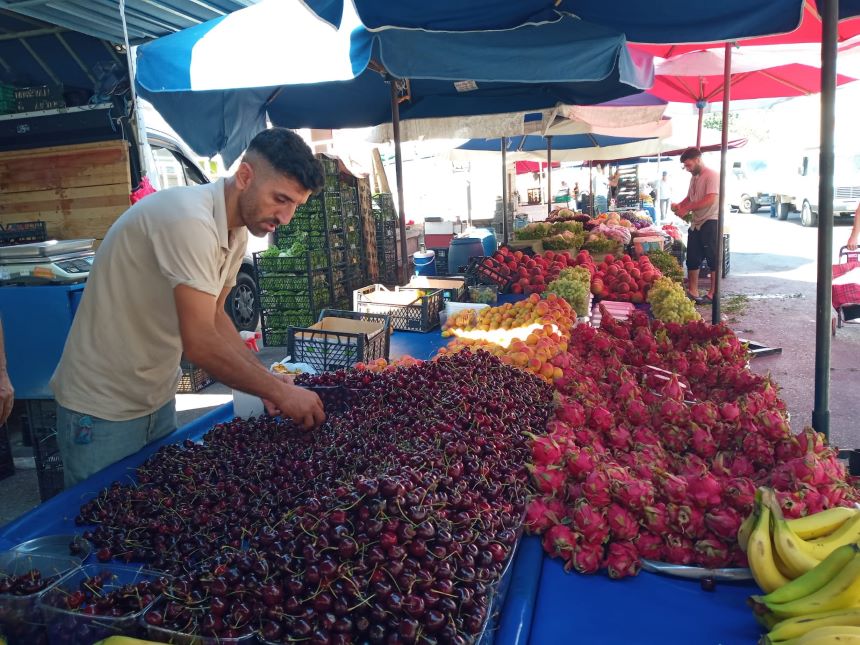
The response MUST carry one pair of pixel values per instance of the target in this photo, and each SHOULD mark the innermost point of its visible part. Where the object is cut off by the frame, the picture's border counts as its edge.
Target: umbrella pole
(699, 129)
(724, 146)
(398, 168)
(505, 190)
(548, 175)
(823, 300)
(590, 189)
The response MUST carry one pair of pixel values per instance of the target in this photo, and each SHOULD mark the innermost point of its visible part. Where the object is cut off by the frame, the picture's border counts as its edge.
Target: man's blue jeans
(88, 444)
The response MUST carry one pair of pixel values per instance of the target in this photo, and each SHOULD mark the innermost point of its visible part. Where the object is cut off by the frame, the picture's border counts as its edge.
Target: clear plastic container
(20, 619)
(68, 627)
(165, 635)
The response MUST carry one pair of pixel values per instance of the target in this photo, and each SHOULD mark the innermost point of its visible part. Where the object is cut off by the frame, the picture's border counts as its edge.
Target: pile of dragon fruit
(659, 442)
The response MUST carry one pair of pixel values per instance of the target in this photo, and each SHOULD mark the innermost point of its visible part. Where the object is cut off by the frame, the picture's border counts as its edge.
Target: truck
(748, 185)
(799, 194)
(74, 144)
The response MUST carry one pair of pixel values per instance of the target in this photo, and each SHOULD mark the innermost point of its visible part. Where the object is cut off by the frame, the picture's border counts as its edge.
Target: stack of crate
(385, 219)
(368, 229)
(355, 260)
(296, 286)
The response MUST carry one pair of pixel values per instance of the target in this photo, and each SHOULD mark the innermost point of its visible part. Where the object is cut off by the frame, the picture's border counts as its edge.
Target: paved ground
(769, 296)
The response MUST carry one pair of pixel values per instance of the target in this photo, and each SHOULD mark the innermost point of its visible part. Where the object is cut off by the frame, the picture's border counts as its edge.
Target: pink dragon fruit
(572, 491)
(814, 500)
(773, 425)
(546, 451)
(691, 465)
(656, 518)
(559, 541)
(619, 437)
(650, 546)
(834, 494)
(783, 477)
(672, 487)
(585, 558)
(673, 412)
(721, 464)
(724, 522)
(622, 524)
(540, 514)
(679, 549)
(788, 449)
(703, 443)
(622, 560)
(637, 412)
(686, 520)
(759, 449)
(644, 436)
(596, 488)
(705, 490)
(602, 419)
(711, 553)
(580, 462)
(672, 389)
(792, 504)
(730, 412)
(738, 558)
(572, 413)
(705, 414)
(548, 479)
(590, 522)
(627, 389)
(809, 439)
(740, 493)
(676, 438)
(725, 436)
(742, 466)
(635, 494)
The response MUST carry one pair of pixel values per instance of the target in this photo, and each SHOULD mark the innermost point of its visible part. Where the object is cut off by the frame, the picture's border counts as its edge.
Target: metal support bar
(75, 57)
(505, 190)
(721, 217)
(41, 63)
(699, 129)
(398, 169)
(823, 299)
(548, 175)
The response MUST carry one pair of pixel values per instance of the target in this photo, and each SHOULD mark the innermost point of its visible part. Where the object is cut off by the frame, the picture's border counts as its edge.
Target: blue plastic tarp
(218, 101)
(669, 21)
(535, 143)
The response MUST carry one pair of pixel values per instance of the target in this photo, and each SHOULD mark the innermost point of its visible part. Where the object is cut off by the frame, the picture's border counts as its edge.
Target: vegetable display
(667, 264)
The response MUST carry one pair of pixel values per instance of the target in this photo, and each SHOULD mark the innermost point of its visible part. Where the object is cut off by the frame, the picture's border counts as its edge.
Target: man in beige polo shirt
(157, 290)
(702, 201)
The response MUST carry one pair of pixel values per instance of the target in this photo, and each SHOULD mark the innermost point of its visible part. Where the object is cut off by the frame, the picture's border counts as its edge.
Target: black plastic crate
(422, 315)
(488, 270)
(7, 463)
(329, 350)
(193, 379)
(42, 419)
(441, 260)
(330, 166)
(300, 300)
(23, 233)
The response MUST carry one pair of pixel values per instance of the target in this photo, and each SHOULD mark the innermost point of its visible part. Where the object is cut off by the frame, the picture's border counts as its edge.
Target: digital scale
(50, 262)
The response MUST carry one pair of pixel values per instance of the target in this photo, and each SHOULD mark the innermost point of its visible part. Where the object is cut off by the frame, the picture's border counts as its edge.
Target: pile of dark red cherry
(390, 524)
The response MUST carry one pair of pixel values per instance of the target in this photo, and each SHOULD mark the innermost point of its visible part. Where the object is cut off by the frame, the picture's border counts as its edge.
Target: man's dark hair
(289, 154)
(691, 153)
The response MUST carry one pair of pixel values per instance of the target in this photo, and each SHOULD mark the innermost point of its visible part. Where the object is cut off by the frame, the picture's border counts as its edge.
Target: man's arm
(7, 392)
(855, 231)
(207, 348)
(706, 201)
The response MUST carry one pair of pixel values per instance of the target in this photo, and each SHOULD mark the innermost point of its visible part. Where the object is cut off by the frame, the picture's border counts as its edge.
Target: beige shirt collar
(220, 213)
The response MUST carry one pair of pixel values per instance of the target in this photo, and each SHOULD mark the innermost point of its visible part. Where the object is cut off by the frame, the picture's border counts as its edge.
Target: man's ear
(244, 175)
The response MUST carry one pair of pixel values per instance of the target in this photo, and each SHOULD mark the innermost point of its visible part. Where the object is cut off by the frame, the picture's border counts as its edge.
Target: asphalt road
(774, 264)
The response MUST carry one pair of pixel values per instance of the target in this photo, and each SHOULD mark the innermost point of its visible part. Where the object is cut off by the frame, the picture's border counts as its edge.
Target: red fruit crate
(489, 271)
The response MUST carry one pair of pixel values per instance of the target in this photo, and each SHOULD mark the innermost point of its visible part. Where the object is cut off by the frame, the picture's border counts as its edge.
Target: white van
(800, 193)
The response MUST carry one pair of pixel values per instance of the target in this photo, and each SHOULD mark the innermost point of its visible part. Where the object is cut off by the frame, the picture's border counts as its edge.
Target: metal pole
(398, 169)
(590, 189)
(548, 175)
(724, 147)
(823, 301)
(505, 190)
(469, 195)
(699, 130)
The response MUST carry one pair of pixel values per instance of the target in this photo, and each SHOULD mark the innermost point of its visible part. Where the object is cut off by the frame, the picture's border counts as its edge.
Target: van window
(175, 170)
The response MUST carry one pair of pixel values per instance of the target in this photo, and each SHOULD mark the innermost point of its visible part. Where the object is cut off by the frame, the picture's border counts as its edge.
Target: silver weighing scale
(50, 262)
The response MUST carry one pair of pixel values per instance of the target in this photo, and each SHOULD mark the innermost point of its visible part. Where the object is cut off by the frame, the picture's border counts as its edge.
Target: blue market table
(544, 605)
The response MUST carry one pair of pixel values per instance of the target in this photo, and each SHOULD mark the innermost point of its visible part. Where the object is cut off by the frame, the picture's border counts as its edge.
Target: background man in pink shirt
(702, 206)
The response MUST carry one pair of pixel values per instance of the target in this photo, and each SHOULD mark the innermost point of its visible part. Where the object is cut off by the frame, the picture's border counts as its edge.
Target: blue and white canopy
(574, 147)
(217, 83)
(666, 21)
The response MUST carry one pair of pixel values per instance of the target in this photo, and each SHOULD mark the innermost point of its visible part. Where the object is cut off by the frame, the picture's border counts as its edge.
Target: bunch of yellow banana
(780, 550)
(810, 569)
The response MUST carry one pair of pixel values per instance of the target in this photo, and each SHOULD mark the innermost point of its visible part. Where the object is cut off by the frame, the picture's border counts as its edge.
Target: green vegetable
(667, 264)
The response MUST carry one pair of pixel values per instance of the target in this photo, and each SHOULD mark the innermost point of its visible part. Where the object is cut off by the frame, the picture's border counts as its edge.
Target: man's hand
(301, 405)
(675, 208)
(7, 396)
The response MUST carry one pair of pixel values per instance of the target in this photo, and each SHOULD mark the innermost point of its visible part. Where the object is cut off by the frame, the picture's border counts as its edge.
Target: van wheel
(782, 211)
(243, 304)
(807, 216)
(747, 205)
